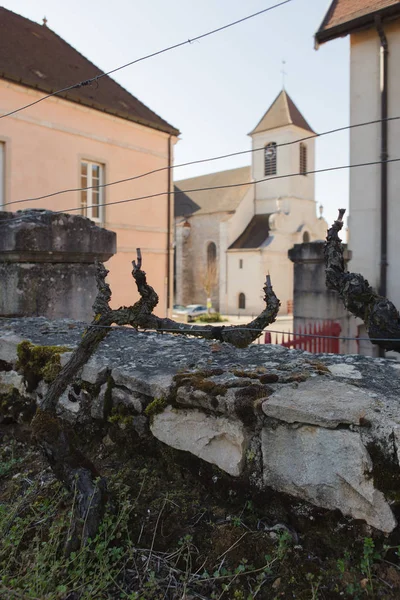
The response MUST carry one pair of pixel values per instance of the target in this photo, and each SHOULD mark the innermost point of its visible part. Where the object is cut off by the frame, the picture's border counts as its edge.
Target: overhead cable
(195, 162)
(217, 187)
(137, 60)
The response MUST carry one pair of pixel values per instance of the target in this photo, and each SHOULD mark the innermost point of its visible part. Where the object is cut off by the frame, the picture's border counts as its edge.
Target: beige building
(247, 219)
(374, 242)
(88, 136)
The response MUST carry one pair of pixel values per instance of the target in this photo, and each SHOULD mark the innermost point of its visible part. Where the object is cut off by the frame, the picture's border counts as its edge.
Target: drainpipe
(169, 203)
(384, 53)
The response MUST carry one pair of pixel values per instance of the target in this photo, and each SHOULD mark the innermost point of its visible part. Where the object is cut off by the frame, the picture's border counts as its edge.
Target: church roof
(344, 16)
(255, 234)
(34, 56)
(222, 199)
(281, 113)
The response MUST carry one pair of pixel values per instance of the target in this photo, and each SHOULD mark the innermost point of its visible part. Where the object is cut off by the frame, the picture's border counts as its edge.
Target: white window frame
(88, 210)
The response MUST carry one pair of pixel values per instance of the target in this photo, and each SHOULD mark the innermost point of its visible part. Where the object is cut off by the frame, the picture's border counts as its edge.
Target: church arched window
(270, 159)
(306, 237)
(211, 254)
(303, 159)
(242, 301)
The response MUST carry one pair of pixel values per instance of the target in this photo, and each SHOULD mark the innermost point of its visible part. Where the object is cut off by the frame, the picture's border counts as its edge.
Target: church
(230, 236)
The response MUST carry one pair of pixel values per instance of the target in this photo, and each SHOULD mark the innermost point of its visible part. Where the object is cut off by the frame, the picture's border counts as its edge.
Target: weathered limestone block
(98, 404)
(8, 347)
(217, 440)
(128, 399)
(12, 379)
(330, 468)
(94, 371)
(142, 381)
(72, 404)
(47, 263)
(319, 402)
(345, 370)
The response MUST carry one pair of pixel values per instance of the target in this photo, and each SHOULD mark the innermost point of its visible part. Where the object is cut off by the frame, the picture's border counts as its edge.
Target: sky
(216, 90)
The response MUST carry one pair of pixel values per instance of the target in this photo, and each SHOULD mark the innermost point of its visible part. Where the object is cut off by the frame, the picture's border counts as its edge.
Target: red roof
(35, 56)
(344, 16)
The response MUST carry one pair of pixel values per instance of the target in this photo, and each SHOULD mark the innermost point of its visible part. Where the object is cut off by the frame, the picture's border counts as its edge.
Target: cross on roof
(283, 73)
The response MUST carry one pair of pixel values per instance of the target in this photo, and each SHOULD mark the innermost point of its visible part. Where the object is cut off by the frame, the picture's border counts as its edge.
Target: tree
(69, 465)
(381, 317)
(209, 279)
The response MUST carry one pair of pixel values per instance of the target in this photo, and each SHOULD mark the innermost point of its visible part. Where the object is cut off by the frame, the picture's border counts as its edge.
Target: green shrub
(210, 318)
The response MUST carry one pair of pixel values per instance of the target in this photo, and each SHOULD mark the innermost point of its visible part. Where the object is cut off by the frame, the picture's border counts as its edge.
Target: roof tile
(345, 15)
(221, 199)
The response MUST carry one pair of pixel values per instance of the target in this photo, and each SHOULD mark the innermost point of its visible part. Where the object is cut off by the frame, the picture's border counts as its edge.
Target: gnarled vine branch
(381, 317)
(68, 464)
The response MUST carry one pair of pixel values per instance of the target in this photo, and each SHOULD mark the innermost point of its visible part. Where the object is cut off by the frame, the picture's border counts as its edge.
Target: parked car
(195, 310)
(179, 309)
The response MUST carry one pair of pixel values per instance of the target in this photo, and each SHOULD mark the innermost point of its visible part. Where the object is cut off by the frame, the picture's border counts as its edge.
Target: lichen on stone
(120, 415)
(39, 362)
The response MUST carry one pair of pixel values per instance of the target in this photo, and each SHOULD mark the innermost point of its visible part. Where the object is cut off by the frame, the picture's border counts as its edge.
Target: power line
(217, 187)
(133, 62)
(196, 162)
(231, 327)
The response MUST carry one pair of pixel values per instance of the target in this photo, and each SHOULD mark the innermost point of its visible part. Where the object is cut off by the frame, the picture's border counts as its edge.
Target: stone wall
(47, 263)
(323, 430)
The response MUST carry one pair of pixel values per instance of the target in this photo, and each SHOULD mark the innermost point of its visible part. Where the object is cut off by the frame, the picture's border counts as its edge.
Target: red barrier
(315, 338)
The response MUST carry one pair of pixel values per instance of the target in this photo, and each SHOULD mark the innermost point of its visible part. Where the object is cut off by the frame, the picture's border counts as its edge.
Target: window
(211, 254)
(306, 237)
(303, 159)
(92, 176)
(2, 173)
(242, 301)
(270, 159)
(240, 263)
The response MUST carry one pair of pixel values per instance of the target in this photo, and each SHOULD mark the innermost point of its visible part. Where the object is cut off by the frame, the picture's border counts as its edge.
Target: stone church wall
(191, 259)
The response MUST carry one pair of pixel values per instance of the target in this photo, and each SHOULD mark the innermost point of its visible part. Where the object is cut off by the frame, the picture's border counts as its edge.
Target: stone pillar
(312, 301)
(47, 264)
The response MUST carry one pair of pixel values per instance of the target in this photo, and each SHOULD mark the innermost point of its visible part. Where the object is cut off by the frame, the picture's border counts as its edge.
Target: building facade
(84, 138)
(374, 29)
(242, 225)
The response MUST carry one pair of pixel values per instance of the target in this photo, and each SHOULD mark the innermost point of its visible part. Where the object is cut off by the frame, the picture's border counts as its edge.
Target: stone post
(312, 301)
(47, 263)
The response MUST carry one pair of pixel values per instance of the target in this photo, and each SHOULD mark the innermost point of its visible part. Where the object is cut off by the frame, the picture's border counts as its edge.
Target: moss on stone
(154, 408)
(199, 381)
(262, 377)
(39, 362)
(247, 374)
(297, 377)
(45, 427)
(318, 366)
